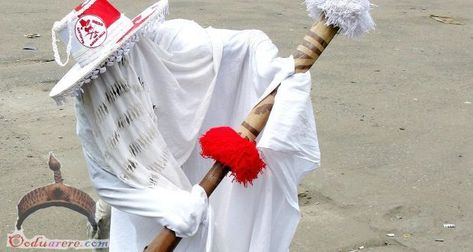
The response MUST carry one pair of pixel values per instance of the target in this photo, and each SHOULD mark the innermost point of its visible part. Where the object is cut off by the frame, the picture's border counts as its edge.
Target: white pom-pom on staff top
(352, 17)
(347, 17)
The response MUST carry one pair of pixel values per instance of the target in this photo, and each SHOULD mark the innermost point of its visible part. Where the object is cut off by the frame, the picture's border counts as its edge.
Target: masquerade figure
(146, 89)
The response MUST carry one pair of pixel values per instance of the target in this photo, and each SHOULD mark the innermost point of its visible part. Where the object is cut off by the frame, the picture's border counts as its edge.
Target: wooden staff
(316, 40)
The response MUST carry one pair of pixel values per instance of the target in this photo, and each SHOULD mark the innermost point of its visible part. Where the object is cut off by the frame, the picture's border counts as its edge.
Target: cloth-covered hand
(190, 211)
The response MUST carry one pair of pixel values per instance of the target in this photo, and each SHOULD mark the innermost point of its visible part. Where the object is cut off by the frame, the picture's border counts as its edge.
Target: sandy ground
(393, 116)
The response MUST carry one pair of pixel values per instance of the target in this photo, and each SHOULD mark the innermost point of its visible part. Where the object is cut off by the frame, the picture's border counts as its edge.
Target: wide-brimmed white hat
(96, 34)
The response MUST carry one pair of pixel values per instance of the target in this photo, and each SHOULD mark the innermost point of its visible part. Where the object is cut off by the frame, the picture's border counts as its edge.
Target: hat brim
(70, 81)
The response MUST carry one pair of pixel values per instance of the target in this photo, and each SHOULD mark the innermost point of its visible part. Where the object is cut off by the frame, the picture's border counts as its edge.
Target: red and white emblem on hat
(91, 31)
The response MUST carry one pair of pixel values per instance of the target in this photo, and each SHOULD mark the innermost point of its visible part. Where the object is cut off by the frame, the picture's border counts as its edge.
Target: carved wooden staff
(316, 40)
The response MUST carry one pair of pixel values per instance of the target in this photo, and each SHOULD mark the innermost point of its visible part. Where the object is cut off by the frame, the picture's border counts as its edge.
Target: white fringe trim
(352, 17)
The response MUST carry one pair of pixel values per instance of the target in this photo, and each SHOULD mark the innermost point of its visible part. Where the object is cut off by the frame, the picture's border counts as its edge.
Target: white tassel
(56, 27)
(352, 17)
(66, 24)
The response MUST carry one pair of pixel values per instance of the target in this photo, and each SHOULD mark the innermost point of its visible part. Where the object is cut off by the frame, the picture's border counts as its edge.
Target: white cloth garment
(195, 79)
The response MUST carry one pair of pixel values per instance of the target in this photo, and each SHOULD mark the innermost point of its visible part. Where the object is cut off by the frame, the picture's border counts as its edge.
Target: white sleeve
(179, 210)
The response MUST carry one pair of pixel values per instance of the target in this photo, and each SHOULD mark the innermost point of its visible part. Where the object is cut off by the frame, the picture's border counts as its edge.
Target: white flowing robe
(197, 79)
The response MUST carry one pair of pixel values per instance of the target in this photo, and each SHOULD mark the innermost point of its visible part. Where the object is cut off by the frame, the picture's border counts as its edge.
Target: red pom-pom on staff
(226, 146)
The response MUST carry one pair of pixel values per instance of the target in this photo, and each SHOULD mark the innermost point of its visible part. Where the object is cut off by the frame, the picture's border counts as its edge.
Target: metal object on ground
(56, 194)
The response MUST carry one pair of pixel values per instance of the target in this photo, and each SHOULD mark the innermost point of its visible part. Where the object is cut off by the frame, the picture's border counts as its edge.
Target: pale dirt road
(394, 122)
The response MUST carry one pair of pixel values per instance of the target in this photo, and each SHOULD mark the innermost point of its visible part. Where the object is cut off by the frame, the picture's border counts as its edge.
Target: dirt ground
(394, 115)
